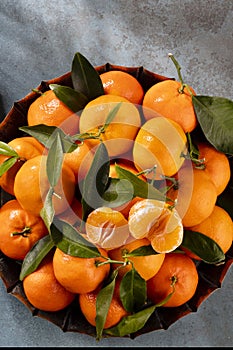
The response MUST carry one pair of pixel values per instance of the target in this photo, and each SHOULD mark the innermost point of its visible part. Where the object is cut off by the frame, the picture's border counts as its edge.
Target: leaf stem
(24, 233)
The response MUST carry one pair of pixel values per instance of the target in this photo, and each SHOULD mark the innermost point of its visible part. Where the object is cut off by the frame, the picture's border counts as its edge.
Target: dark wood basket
(71, 319)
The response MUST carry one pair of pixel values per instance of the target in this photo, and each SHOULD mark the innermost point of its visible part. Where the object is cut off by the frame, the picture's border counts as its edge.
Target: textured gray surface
(38, 40)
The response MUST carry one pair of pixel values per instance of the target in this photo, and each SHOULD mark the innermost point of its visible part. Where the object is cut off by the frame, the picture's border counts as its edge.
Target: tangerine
(178, 275)
(118, 135)
(43, 290)
(32, 175)
(216, 165)
(20, 231)
(49, 110)
(196, 196)
(169, 99)
(80, 275)
(26, 147)
(123, 84)
(160, 144)
(218, 226)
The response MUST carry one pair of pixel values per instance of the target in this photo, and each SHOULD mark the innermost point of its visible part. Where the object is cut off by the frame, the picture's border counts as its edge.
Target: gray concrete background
(38, 40)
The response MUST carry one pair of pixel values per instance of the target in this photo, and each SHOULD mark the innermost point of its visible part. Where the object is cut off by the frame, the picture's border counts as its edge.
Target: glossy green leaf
(7, 164)
(73, 99)
(118, 192)
(215, 116)
(47, 212)
(204, 247)
(133, 291)
(71, 242)
(54, 160)
(111, 115)
(95, 181)
(34, 257)
(103, 302)
(141, 251)
(45, 134)
(85, 78)
(7, 150)
(141, 188)
(132, 323)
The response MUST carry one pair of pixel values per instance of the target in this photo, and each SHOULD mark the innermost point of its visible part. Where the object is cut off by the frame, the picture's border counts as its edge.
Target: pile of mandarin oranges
(161, 192)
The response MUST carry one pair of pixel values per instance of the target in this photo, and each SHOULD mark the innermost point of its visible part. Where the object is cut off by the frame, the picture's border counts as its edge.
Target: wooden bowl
(71, 319)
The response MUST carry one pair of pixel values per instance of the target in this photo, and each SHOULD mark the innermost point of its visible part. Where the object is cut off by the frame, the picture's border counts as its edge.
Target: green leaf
(7, 164)
(111, 115)
(132, 323)
(95, 181)
(133, 291)
(34, 257)
(215, 115)
(85, 78)
(45, 135)
(71, 242)
(141, 251)
(47, 212)
(54, 160)
(7, 150)
(204, 247)
(119, 192)
(103, 302)
(141, 188)
(73, 99)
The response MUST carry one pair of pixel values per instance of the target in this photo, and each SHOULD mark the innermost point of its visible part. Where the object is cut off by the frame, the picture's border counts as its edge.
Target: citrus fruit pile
(115, 194)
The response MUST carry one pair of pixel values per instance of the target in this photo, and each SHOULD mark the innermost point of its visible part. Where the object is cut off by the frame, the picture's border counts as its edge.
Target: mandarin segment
(155, 220)
(107, 228)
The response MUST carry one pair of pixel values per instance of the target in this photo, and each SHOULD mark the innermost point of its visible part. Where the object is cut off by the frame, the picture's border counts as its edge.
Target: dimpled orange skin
(26, 147)
(216, 164)
(218, 226)
(179, 267)
(32, 175)
(79, 275)
(17, 220)
(49, 110)
(160, 142)
(43, 290)
(165, 99)
(119, 135)
(122, 84)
